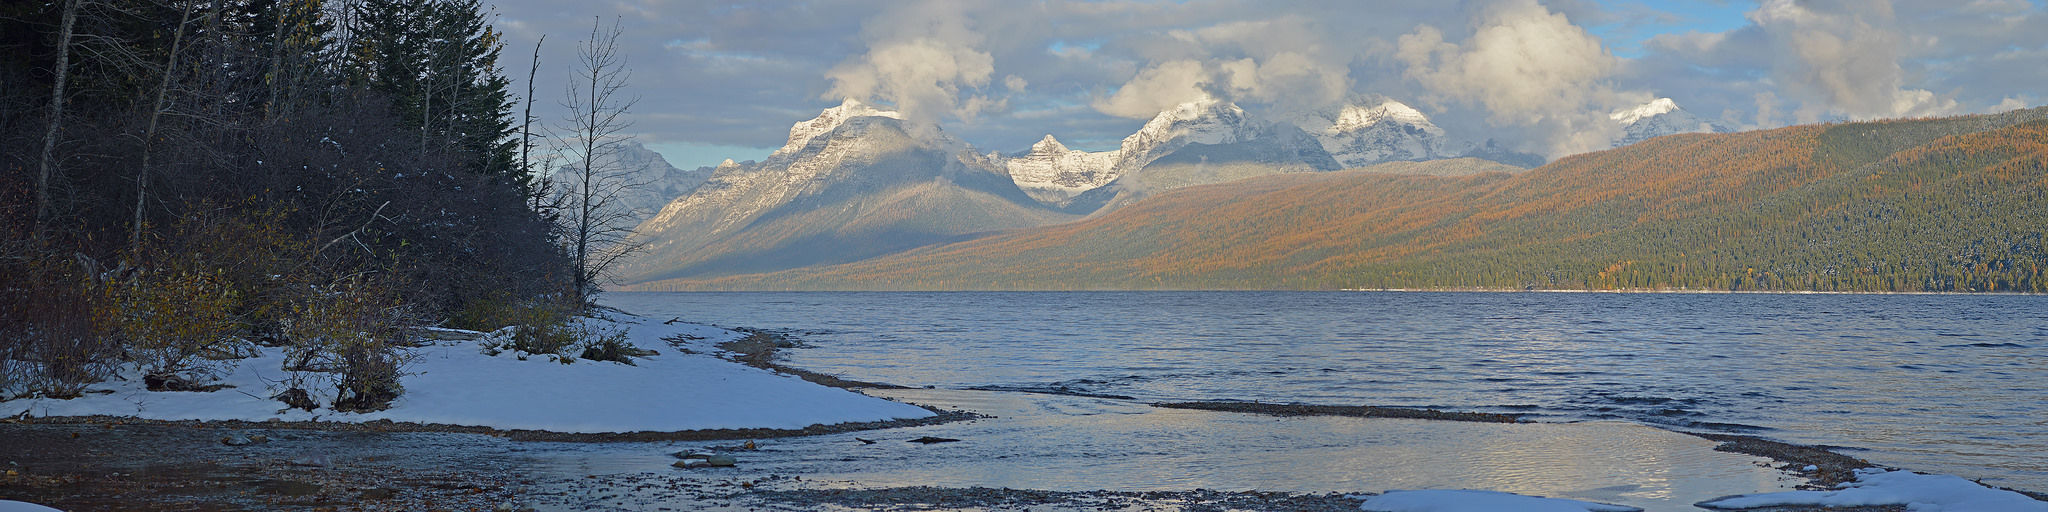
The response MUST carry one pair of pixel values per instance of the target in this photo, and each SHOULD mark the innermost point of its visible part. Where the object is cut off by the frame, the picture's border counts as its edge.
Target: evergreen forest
(183, 180)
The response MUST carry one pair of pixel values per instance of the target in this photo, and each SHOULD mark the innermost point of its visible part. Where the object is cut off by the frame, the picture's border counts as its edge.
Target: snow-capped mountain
(1207, 121)
(1054, 174)
(853, 183)
(1658, 118)
(1210, 141)
(1367, 130)
(1362, 133)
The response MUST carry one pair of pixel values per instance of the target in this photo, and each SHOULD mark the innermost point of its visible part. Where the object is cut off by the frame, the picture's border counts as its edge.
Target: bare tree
(56, 115)
(597, 226)
(543, 189)
(149, 135)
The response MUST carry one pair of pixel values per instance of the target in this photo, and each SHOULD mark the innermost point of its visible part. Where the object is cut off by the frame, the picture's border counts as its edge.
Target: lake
(1934, 383)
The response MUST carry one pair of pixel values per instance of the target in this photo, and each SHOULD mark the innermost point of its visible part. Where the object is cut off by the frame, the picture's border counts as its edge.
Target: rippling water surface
(1950, 384)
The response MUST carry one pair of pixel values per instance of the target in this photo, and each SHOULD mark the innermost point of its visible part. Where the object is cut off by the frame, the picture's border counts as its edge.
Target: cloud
(1283, 63)
(1526, 66)
(1159, 87)
(2007, 105)
(1845, 55)
(729, 73)
(920, 58)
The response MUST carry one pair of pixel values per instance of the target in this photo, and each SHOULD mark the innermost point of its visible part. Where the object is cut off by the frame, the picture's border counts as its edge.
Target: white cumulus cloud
(1527, 66)
(923, 59)
(1842, 57)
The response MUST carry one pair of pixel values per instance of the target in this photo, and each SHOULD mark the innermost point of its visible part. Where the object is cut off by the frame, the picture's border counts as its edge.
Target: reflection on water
(1948, 384)
(1067, 443)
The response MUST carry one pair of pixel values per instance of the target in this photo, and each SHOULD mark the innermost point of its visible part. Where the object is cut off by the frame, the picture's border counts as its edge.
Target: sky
(718, 80)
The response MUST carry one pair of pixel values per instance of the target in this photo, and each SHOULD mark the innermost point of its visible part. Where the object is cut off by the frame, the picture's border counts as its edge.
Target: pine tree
(479, 106)
(438, 63)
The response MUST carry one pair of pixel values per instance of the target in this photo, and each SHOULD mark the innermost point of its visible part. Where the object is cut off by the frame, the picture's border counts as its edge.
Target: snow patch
(1919, 493)
(1479, 501)
(456, 383)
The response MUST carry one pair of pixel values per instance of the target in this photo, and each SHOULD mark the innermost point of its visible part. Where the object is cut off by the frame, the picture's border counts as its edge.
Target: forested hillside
(183, 178)
(1953, 204)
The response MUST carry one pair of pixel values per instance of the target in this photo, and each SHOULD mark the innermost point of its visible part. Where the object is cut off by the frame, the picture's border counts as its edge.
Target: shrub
(53, 326)
(607, 344)
(350, 335)
(171, 318)
(540, 325)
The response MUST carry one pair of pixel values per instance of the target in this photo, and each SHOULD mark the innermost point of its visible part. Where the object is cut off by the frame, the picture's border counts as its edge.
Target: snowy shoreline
(695, 390)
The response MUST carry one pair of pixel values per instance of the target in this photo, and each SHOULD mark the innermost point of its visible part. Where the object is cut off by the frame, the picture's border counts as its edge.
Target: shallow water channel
(1068, 443)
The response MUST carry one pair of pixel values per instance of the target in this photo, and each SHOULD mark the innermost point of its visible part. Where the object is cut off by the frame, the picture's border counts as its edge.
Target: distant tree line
(185, 178)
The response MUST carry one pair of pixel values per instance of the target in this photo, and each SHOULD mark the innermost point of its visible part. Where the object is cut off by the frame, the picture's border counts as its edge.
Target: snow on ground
(1479, 501)
(17, 506)
(455, 383)
(1919, 493)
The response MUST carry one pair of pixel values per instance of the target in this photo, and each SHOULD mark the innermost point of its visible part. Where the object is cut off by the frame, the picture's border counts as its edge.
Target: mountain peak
(829, 120)
(1358, 116)
(1048, 145)
(1658, 118)
(1370, 129)
(1204, 121)
(1656, 107)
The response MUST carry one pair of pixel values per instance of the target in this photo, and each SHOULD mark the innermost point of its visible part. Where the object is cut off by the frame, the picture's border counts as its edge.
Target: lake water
(1943, 384)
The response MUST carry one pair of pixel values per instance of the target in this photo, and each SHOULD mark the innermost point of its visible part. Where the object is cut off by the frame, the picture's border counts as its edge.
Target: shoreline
(285, 484)
(173, 454)
(340, 483)
(1673, 291)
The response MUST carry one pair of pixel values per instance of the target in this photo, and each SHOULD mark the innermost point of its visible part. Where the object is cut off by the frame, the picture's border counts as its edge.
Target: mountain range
(851, 184)
(859, 182)
(1952, 204)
